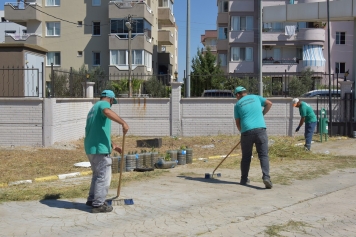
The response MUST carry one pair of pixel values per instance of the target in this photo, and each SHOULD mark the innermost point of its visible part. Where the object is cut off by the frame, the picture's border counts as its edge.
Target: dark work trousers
(258, 137)
(308, 134)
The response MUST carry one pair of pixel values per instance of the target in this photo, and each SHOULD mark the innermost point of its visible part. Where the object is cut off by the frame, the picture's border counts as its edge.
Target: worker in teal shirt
(308, 116)
(98, 146)
(250, 122)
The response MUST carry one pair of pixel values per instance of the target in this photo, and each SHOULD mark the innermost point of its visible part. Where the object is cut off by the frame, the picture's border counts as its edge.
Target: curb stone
(47, 178)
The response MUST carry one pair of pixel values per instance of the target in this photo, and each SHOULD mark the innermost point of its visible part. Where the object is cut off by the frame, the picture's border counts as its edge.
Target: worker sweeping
(250, 122)
(308, 117)
(98, 146)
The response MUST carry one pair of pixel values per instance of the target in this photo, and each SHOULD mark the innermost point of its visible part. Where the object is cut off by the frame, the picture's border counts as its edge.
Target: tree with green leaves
(300, 85)
(206, 73)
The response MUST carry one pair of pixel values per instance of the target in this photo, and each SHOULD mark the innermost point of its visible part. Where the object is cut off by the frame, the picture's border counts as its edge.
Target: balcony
(165, 16)
(118, 9)
(241, 67)
(223, 18)
(289, 66)
(242, 6)
(139, 41)
(241, 37)
(311, 34)
(165, 59)
(212, 48)
(303, 34)
(222, 45)
(25, 38)
(165, 37)
(21, 13)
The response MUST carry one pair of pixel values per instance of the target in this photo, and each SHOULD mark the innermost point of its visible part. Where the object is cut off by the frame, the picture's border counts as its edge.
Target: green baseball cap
(109, 94)
(239, 89)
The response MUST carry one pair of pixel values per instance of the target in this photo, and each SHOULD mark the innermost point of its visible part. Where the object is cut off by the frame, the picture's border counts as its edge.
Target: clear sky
(203, 15)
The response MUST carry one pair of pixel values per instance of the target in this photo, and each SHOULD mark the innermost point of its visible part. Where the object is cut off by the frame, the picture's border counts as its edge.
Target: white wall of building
(9, 26)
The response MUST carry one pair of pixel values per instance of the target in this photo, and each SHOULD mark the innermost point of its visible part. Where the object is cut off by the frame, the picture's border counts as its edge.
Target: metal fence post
(52, 82)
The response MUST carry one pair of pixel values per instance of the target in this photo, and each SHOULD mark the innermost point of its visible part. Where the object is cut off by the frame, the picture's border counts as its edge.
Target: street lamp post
(129, 27)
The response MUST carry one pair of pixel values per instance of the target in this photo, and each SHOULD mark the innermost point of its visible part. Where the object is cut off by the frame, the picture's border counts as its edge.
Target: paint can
(207, 175)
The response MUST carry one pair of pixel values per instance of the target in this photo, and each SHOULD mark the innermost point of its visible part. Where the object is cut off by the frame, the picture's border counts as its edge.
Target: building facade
(209, 40)
(287, 47)
(94, 33)
(11, 29)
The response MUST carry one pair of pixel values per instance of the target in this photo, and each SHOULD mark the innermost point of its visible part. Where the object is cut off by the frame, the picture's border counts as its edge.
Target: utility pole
(187, 63)
(260, 52)
(128, 24)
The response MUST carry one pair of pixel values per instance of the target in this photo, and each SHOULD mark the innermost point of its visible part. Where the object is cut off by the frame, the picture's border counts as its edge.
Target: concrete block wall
(145, 116)
(70, 118)
(20, 122)
(208, 116)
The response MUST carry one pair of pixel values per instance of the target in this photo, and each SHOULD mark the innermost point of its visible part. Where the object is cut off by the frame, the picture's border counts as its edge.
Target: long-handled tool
(117, 200)
(223, 160)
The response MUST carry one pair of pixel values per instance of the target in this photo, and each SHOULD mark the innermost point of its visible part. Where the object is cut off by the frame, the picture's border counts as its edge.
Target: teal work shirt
(306, 111)
(249, 110)
(97, 130)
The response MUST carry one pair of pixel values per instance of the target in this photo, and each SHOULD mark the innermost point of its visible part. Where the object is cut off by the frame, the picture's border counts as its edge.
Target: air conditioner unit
(163, 49)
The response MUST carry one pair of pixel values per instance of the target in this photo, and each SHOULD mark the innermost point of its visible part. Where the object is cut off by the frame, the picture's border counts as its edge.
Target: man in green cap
(98, 146)
(250, 122)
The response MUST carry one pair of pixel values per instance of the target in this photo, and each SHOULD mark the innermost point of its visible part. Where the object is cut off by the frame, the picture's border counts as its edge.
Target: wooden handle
(226, 157)
(121, 164)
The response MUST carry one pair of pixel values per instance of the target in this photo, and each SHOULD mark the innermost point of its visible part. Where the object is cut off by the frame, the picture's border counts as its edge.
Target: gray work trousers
(258, 137)
(100, 182)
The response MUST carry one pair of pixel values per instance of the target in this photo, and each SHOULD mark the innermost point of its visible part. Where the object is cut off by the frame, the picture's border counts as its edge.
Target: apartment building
(209, 40)
(10, 28)
(288, 47)
(94, 33)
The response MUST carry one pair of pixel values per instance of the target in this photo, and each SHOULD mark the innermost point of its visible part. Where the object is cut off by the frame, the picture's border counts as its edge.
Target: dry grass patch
(290, 227)
(288, 162)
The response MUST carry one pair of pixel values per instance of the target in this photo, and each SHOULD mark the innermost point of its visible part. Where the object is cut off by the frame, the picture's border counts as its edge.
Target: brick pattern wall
(145, 116)
(64, 119)
(70, 118)
(20, 122)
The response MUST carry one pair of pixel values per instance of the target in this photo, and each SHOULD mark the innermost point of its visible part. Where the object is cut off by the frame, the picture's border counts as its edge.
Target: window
(223, 59)
(53, 2)
(53, 28)
(96, 2)
(96, 28)
(139, 57)
(340, 37)
(240, 23)
(148, 61)
(3, 19)
(140, 26)
(54, 57)
(340, 66)
(24, 31)
(80, 23)
(241, 54)
(96, 59)
(80, 53)
(223, 6)
(10, 31)
(118, 57)
(222, 33)
(166, 4)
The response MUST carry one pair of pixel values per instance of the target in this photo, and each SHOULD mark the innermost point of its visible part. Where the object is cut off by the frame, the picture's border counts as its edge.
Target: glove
(297, 130)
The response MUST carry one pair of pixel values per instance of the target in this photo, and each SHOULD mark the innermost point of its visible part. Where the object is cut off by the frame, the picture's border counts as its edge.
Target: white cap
(295, 101)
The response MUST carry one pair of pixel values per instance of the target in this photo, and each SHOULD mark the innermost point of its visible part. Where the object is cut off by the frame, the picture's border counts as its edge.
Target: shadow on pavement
(219, 181)
(57, 203)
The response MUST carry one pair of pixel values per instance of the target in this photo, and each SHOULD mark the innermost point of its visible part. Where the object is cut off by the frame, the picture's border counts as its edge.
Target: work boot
(103, 208)
(306, 147)
(244, 181)
(268, 183)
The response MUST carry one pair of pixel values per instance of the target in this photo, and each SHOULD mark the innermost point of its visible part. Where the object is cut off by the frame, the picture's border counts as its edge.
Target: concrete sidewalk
(178, 205)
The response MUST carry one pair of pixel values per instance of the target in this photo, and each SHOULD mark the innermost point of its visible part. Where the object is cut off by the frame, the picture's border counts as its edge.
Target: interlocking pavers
(190, 206)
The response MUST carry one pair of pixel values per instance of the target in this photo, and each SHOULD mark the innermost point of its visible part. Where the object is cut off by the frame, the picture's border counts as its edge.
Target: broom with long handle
(225, 157)
(121, 164)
